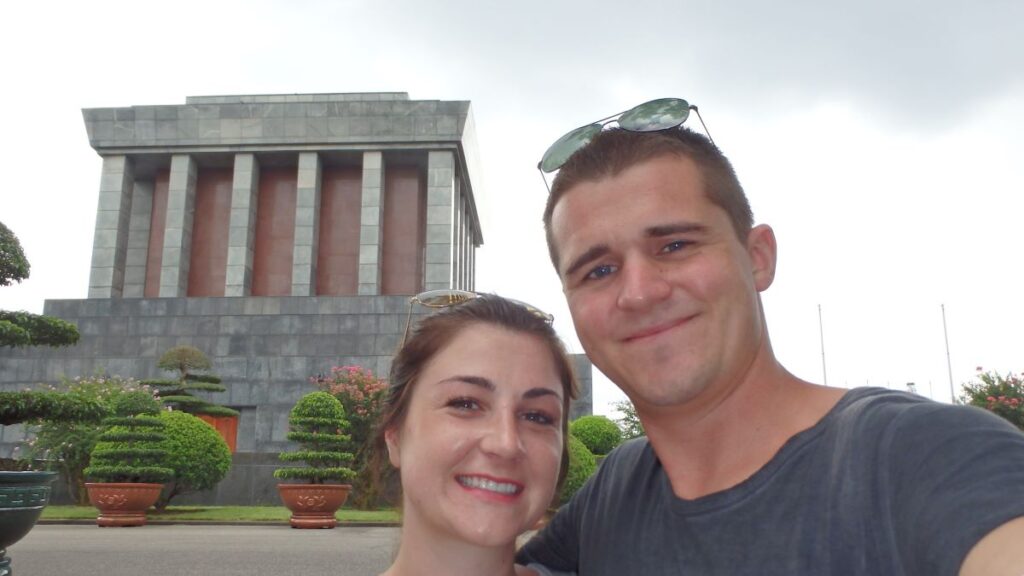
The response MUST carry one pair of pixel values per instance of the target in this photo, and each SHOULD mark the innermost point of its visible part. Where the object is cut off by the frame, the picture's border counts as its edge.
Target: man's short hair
(615, 150)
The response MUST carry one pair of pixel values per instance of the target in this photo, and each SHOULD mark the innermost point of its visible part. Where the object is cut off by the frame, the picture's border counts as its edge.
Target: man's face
(663, 294)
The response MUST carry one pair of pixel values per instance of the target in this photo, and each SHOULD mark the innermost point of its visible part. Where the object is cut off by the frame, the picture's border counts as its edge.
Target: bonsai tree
(32, 405)
(69, 440)
(196, 453)
(362, 395)
(316, 423)
(185, 362)
(598, 433)
(131, 449)
(23, 328)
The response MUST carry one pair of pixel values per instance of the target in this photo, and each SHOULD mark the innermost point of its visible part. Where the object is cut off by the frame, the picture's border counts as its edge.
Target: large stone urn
(122, 503)
(313, 505)
(22, 498)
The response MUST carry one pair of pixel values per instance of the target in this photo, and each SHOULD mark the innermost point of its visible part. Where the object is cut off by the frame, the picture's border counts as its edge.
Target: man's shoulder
(880, 407)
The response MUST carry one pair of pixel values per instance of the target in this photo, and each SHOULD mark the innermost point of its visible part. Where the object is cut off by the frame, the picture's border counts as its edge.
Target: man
(746, 469)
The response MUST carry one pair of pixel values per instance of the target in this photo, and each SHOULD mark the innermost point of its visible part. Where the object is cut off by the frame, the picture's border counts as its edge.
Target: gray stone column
(110, 240)
(370, 223)
(181, 201)
(440, 207)
(242, 228)
(138, 240)
(307, 225)
(467, 243)
(472, 263)
(458, 238)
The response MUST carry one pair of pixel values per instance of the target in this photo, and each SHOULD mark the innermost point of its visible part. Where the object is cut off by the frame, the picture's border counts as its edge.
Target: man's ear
(763, 251)
(394, 448)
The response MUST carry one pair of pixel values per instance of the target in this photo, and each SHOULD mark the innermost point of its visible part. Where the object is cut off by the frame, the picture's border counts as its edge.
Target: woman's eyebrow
(474, 380)
(540, 392)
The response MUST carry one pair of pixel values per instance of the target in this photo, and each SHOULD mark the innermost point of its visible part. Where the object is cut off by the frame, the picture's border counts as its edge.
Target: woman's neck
(423, 554)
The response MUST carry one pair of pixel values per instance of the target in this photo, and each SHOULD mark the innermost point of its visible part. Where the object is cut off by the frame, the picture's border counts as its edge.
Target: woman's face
(481, 442)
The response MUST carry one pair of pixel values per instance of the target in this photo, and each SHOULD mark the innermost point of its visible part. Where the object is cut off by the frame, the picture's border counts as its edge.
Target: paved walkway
(178, 550)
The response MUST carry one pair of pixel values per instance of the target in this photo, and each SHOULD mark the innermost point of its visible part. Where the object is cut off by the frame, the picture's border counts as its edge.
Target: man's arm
(1000, 553)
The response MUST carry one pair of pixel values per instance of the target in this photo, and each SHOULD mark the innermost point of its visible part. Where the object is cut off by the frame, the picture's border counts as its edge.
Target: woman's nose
(502, 438)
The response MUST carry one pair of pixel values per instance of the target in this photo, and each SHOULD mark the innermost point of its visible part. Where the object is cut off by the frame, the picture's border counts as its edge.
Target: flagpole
(949, 363)
(821, 334)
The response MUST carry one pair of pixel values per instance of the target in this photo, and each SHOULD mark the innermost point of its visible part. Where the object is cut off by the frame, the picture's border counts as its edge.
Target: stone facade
(265, 348)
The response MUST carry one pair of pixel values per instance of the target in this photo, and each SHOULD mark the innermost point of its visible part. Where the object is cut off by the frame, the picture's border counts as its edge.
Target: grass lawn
(223, 514)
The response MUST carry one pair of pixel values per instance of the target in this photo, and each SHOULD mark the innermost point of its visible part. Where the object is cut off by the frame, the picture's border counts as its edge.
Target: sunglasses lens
(656, 115)
(442, 298)
(565, 146)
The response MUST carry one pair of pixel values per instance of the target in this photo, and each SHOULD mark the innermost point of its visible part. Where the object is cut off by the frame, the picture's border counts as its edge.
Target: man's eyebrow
(676, 228)
(582, 260)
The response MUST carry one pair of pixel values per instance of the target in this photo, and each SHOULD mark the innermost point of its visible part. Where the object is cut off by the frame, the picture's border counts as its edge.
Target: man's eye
(675, 245)
(599, 272)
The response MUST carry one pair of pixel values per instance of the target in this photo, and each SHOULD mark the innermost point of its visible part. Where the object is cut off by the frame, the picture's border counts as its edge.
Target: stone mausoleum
(279, 234)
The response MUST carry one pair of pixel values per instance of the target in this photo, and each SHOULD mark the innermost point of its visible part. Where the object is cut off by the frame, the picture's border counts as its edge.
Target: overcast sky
(882, 140)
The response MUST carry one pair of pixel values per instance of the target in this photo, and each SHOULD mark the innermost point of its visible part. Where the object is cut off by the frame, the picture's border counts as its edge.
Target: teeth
(485, 484)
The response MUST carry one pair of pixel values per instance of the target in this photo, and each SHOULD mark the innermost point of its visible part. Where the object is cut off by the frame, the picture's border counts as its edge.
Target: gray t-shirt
(887, 483)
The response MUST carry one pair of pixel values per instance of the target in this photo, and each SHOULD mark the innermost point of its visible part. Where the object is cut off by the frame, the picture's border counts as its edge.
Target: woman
(476, 425)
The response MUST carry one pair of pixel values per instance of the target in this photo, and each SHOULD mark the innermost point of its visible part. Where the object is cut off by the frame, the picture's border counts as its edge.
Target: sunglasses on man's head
(451, 297)
(660, 114)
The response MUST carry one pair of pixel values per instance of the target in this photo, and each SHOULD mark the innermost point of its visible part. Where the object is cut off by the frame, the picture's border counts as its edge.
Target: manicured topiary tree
(196, 453)
(598, 433)
(188, 363)
(316, 424)
(22, 328)
(131, 449)
(30, 405)
(582, 466)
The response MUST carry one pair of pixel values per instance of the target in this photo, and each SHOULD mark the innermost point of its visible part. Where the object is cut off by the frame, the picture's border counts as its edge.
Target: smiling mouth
(657, 329)
(476, 482)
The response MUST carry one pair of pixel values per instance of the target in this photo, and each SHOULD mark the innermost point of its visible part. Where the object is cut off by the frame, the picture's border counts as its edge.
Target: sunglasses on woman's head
(660, 114)
(451, 297)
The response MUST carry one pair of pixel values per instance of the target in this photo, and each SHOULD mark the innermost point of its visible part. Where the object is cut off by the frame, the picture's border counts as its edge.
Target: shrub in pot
(196, 453)
(316, 424)
(126, 465)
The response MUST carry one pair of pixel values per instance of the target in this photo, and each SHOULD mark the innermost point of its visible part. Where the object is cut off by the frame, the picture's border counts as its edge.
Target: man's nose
(502, 438)
(643, 284)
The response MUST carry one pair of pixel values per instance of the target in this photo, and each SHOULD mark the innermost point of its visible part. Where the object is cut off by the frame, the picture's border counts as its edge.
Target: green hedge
(582, 466)
(196, 453)
(26, 329)
(598, 433)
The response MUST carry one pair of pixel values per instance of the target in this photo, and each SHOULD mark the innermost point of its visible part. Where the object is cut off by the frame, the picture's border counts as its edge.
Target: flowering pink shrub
(1000, 394)
(362, 394)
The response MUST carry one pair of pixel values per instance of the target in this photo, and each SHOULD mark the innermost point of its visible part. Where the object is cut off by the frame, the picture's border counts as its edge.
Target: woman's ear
(394, 450)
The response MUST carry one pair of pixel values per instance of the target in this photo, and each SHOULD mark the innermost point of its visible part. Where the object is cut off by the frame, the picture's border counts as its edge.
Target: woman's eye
(539, 418)
(600, 272)
(464, 404)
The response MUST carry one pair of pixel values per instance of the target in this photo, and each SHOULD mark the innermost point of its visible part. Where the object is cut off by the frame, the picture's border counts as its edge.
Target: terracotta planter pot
(122, 503)
(313, 505)
(22, 498)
